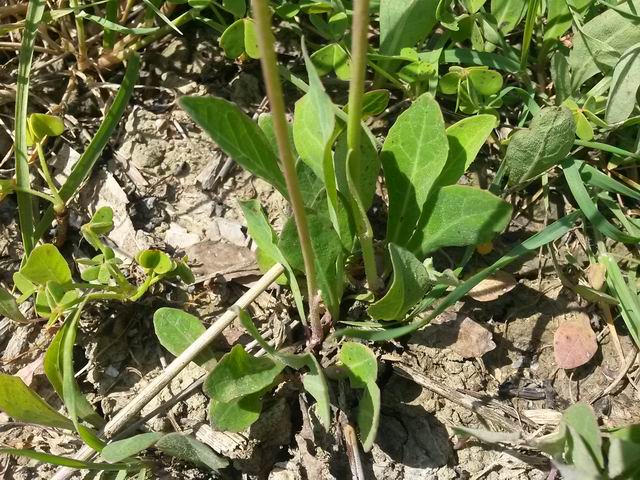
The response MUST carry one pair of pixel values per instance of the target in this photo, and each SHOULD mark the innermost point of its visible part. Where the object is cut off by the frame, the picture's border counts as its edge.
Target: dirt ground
(159, 174)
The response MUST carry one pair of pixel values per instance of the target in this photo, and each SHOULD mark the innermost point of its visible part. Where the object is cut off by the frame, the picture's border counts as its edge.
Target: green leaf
(190, 450)
(369, 168)
(9, 307)
(41, 125)
(543, 145)
(414, 153)
(313, 133)
(460, 216)
(508, 13)
(332, 58)
(623, 459)
(310, 185)
(53, 370)
(328, 256)
(374, 102)
(72, 396)
(239, 374)
(237, 414)
(338, 24)
(156, 261)
(467, 56)
(404, 23)
(473, 6)
(581, 419)
(362, 369)
(624, 86)
(561, 76)
(600, 39)
(449, 83)
(267, 241)
(237, 135)
(410, 283)
(22, 404)
(558, 19)
(465, 138)
(360, 362)
(237, 7)
(240, 38)
(177, 330)
(313, 126)
(313, 381)
(123, 449)
(46, 264)
(64, 461)
(102, 221)
(596, 178)
(485, 82)
(368, 415)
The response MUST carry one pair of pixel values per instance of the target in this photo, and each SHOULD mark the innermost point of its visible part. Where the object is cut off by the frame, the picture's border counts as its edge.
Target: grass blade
(25, 200)
(629, 302)
(111, 14)
(466, 56)
(87, 160)
(589, 208)
(549, 234)
(65, 461)
(596, 178)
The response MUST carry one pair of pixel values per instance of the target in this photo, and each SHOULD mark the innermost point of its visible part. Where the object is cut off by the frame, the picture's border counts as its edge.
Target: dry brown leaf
(493, 287)
(596, 275)
(473, 339)
(574, 342)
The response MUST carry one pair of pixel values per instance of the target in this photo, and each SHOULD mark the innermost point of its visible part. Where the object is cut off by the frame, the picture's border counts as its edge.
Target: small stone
(179, 237)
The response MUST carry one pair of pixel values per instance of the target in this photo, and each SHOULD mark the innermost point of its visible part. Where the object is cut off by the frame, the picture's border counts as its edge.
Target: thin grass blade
(25, 200)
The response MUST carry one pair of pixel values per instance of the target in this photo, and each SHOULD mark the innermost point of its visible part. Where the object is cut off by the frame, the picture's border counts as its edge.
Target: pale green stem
(30, 191)
(82, 37)
(58, 203)
(269, 63)
(354, 128)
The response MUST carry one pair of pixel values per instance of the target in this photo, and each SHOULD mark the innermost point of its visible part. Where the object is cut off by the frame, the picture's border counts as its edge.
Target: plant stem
(82, 38)
(262, 17)
(30, 191)
(58, 204)
(354, 128)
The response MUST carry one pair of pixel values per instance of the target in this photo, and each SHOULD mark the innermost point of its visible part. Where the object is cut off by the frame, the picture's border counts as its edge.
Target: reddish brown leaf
(473, 340)
(493, 287)
(574, 342)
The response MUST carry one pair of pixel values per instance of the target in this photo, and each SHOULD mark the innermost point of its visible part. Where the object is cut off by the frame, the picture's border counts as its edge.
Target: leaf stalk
(359, 48)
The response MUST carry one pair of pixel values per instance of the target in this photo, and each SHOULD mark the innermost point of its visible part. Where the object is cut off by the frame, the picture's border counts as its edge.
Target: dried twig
(455, 396)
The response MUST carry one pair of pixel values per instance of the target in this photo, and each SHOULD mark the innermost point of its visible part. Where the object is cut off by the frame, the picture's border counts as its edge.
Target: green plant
(505, 66)
(46, 277)
(421, 160)
(579, 448)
